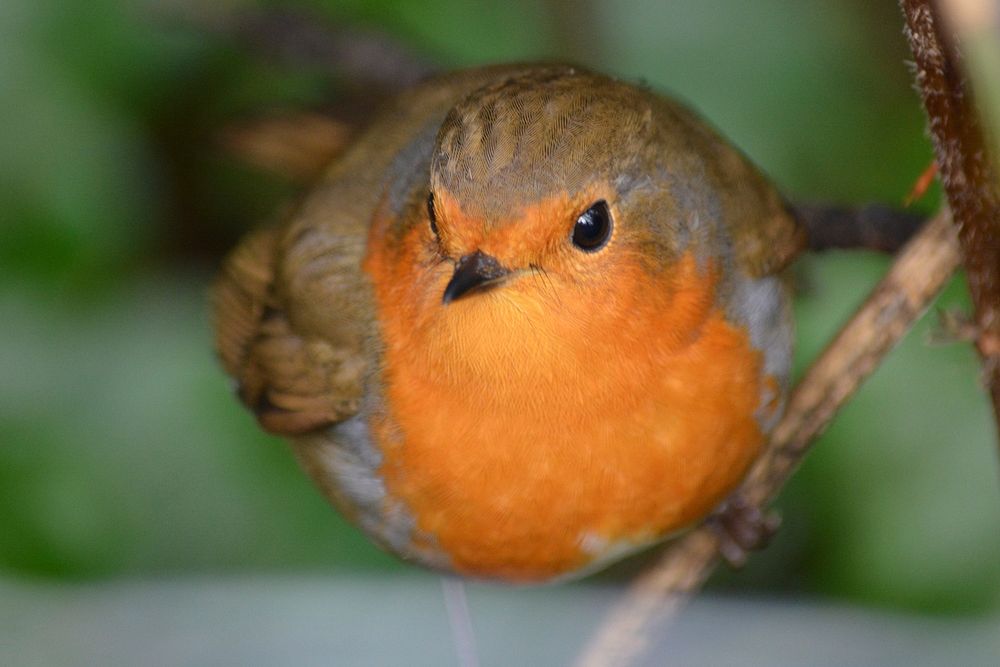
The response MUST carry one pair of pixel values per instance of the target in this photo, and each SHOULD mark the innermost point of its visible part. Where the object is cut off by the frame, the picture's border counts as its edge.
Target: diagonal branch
(916, 277)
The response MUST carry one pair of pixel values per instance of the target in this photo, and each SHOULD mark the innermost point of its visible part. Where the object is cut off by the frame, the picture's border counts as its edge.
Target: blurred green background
(123, 453)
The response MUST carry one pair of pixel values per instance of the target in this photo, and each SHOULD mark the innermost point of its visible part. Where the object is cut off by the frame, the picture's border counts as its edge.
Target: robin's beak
(474, 273)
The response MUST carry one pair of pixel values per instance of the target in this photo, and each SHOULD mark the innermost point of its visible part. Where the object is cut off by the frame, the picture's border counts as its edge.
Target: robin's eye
(430, 214)
(593, 227)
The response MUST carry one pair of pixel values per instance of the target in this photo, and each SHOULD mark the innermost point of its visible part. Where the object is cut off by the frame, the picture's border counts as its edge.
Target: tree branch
(872, 227)
(964, 152)
(915, 278)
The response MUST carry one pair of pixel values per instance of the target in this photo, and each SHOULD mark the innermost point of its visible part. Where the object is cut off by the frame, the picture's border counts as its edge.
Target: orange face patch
(540, 232)
(531, 427)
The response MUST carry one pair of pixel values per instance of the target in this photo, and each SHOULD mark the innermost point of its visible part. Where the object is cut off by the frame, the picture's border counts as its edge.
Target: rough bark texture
(969, 176)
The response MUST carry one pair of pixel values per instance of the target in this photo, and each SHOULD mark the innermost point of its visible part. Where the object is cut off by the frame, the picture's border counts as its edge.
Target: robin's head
(559, 206)
(544, 173)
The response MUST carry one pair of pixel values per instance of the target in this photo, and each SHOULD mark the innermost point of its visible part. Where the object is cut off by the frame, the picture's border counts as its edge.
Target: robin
(531, 320)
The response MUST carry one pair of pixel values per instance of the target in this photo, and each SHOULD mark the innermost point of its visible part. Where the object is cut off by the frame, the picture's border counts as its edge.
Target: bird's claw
(741, 528)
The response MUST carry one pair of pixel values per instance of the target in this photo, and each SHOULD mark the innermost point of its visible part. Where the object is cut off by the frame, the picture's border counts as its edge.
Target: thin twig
(915, 278)
(460, 620)
(965, 156)
(872, 227)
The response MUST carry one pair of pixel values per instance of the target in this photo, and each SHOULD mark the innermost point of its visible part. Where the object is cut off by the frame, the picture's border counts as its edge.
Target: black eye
(430, 213)
(593, 227)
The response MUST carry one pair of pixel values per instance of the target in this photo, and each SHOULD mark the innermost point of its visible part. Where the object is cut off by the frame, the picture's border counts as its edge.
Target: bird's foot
(741, 528)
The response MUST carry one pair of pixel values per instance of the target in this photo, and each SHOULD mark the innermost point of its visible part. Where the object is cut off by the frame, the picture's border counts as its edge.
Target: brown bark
(965, 157)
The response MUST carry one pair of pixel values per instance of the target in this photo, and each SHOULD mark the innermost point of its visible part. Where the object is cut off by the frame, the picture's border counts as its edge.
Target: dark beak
(473, 273)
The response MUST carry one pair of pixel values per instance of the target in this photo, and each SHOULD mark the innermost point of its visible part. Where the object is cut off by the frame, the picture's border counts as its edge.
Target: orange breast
(530, 432)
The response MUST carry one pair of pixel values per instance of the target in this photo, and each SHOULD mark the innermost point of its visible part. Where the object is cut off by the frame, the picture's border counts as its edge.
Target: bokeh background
(124, 458)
